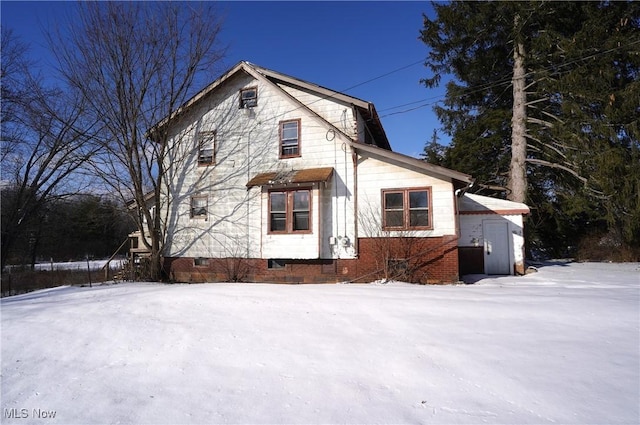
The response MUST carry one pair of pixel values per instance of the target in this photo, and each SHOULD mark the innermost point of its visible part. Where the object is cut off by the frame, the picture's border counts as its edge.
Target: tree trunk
(517, 170)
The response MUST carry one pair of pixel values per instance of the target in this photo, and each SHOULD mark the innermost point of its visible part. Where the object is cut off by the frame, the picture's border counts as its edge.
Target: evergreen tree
(433, 151)
(574, 67)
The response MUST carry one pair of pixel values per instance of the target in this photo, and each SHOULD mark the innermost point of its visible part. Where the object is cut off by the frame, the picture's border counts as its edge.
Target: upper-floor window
(289, 138)
(199, 206)
(290, 211)
(206, 147)
(405, 209)
(248, 97)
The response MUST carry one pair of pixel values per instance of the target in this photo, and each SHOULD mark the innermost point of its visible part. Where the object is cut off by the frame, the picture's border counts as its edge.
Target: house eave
(457, 176)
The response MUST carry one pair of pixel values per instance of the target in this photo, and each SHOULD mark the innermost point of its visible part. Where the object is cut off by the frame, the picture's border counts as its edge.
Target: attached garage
(491, 235)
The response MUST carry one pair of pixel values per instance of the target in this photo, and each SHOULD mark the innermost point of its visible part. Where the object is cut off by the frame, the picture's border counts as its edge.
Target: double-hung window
(289, 138)
(405, 209)
(248, 97)
(206, 147)
(290, 211)
(199, 205)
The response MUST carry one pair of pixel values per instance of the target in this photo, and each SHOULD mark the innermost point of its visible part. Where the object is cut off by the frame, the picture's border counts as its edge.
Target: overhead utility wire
(502, 82)
(497, 83)
(335, 92)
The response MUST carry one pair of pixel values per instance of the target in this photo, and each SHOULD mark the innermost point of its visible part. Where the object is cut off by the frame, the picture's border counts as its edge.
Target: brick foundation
(417, 260)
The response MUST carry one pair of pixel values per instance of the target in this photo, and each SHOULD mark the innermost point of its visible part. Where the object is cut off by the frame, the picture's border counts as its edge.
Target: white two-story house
(277, 179)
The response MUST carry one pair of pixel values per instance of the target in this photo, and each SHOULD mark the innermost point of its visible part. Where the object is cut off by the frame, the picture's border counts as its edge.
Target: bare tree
(399, 254)
(136, 64)
(46, 139)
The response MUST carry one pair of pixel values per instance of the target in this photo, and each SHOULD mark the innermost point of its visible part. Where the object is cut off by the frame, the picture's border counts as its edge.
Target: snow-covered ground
(558, 346)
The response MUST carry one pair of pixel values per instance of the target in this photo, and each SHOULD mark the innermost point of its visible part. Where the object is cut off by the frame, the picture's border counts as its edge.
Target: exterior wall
(337, 113)
(472, 240)
(434, 261)
(295, 245)
(344, 242)
(247, 143)
(375, 175)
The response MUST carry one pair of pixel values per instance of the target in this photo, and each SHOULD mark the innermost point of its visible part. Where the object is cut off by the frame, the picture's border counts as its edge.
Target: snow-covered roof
(478, 204)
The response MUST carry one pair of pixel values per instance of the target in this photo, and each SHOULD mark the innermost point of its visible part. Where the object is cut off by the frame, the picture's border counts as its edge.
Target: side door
(496, 247)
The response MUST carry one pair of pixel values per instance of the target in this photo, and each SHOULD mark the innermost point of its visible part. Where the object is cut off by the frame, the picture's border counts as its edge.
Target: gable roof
(366, 109)
(478, 204)
(273, 78)
(417, 163)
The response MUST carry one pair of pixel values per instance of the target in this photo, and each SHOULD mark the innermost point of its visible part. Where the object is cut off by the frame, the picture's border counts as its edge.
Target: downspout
(354, 157)
(248, 193)
(463, 190)
(459, 193)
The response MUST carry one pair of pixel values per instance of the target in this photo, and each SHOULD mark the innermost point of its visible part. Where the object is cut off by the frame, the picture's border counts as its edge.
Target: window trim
(280, 138)
(201, 137)
(206, 208)
(406, 210)
(243, 102)
(289, 221)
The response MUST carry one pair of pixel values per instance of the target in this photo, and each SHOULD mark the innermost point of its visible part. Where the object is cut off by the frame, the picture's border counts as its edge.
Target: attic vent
(248, 97)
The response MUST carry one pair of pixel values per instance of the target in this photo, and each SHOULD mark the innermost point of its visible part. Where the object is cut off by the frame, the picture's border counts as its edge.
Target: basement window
(201, 262)
(275, 263)
(397, 268)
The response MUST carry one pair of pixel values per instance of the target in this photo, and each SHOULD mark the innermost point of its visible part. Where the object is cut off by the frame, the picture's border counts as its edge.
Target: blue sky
(334, 44)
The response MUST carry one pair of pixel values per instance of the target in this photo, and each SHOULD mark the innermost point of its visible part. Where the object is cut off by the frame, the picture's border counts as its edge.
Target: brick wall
(418, 260)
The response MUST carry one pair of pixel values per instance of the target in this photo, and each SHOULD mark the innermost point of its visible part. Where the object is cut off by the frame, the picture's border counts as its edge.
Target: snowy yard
(558, 346)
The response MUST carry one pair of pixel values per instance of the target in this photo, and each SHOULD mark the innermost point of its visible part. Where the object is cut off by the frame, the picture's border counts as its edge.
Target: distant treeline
(69, 228)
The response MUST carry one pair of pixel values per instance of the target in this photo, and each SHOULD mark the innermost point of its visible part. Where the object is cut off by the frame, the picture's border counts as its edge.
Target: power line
(505, 81)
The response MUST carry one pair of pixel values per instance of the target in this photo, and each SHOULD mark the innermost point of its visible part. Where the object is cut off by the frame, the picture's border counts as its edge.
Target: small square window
(276, 263)
(397, 268)
(201, 262)
(248, 97)
(199, 206)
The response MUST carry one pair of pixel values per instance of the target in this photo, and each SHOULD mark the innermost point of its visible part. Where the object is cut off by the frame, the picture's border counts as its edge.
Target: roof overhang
(307, 175)
(365, 108)
(472, 204)
(460, 179)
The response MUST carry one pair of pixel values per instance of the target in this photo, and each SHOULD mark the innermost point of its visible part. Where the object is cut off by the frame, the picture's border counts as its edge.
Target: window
(248, 97)
(397, 268)
(406, 209)
(289, 138)
(290, 211)
(276, 263)
(199, 207)
(206, 147)
(201, 262)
